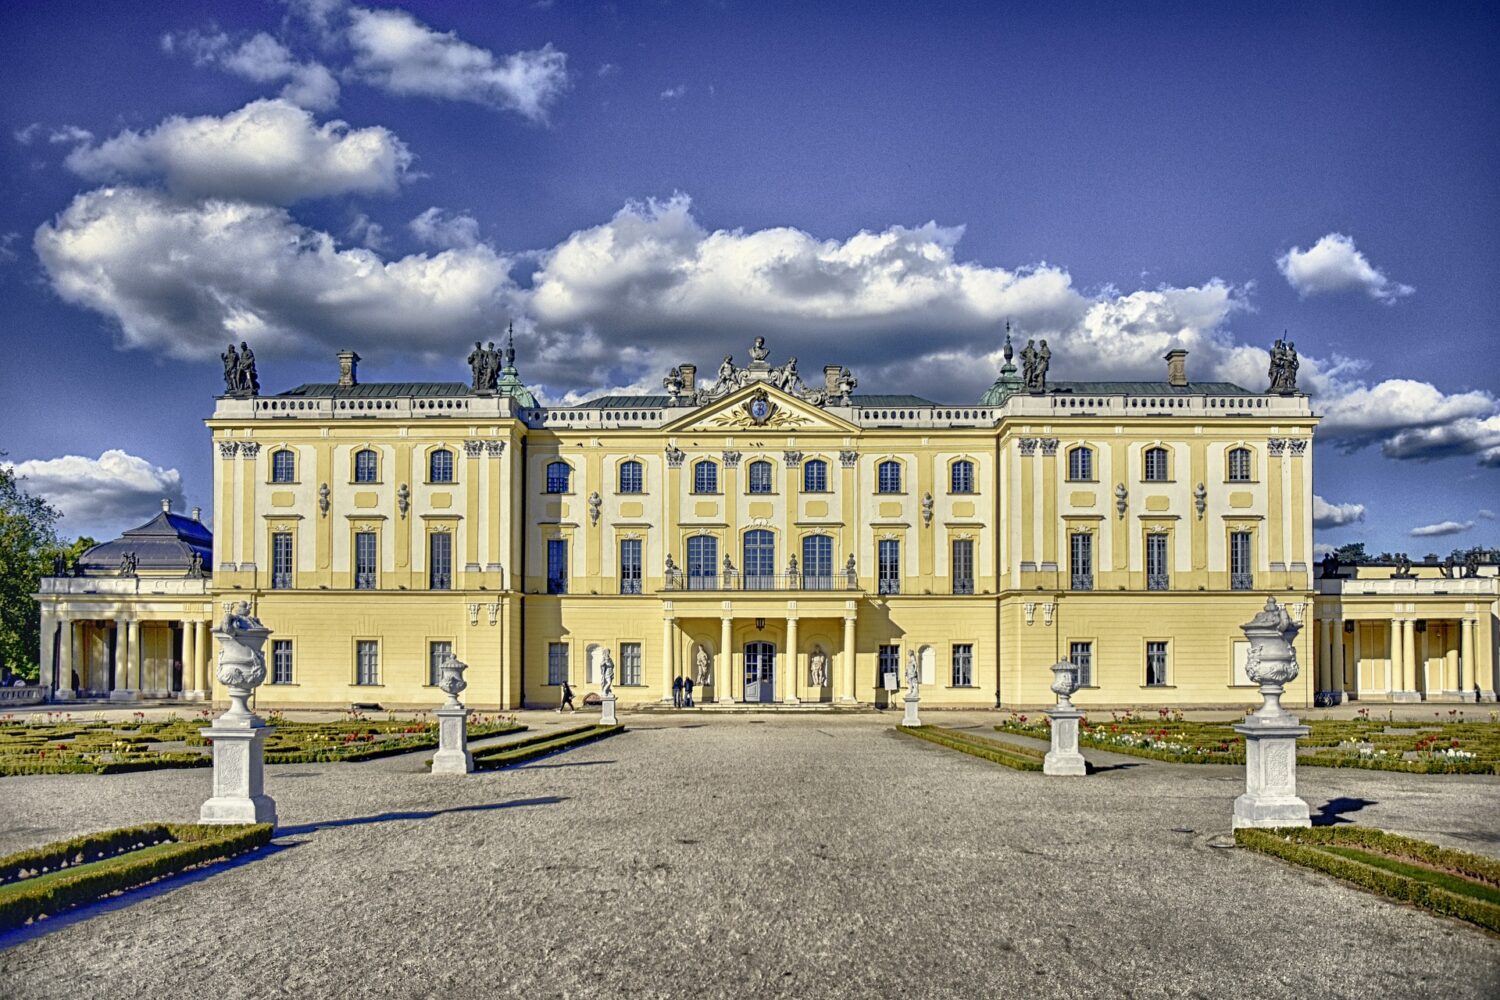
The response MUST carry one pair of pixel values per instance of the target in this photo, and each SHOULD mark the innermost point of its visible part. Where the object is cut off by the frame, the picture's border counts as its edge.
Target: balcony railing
(758, 582)
(1158, 581)
(963, 586)
(630, 586)
(1082, 581)
(364, 581)
(890, 585)
(281, 581)
(1241, 581)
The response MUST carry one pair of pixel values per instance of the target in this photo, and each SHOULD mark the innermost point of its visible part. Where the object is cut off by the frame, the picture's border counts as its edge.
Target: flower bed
(1453, 883)
(540, 745)
(48, 880)
(1021, 758)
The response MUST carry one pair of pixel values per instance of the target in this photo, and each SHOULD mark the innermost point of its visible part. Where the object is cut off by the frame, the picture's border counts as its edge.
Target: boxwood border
(1020, 758)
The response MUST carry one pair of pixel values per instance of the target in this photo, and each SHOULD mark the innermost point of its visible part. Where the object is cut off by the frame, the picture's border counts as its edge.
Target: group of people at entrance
(682, 692)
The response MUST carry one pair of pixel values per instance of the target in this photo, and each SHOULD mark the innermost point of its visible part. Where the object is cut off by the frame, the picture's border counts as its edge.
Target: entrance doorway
(760, 672)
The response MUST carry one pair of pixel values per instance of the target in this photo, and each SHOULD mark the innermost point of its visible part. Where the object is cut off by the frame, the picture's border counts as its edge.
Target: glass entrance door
(760, 672)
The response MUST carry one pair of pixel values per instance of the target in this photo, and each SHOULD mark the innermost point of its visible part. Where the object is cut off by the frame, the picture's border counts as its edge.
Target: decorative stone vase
(452, 755)
(1272, 661)
(451, 679)
(1270, 798)
(1063, 758)
(1064, 682)
(239, 735)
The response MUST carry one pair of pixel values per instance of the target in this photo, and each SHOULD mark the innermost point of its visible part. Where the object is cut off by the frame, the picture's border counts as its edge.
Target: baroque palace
(779, 542)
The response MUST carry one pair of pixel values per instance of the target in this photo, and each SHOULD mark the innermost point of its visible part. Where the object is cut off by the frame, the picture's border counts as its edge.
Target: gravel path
(728, 857)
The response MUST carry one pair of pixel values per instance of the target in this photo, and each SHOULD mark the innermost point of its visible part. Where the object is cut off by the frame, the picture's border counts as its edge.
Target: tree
(28, 541)
(1352, 553)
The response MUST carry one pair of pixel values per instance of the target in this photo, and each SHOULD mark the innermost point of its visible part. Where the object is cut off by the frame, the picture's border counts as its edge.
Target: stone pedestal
(239, 773)
(453, 755)
(911, 718)
(1405, 696)
(607, 713)
(1064, 757)
(1270, 797)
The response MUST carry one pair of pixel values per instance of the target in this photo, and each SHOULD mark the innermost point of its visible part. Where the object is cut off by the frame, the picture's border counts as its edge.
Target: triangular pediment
(736, 413)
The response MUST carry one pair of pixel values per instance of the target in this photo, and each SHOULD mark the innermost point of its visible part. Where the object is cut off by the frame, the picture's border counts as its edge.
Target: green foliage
(1351, 552)
(1338, 851)
(540, 745)
(28, 538)
(1010, 754)
(49, 880)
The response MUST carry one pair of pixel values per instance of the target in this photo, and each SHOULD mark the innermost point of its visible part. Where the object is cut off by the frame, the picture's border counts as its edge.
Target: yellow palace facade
(778, 542)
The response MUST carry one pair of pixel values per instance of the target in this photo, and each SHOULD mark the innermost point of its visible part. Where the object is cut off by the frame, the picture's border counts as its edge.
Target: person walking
(687, 692)
(567, 699)
(676, 692)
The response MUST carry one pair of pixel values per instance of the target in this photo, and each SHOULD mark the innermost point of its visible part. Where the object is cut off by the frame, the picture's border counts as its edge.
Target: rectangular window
(557, 663)
(890, 566)
(440, 466)
(815, 477)
(630, 664)
(440, 561)
(1156, 664)
(1081, 464)
(1241, 575)
(963, 566)
(632, 480)
(281, 560)
(437, 652)
(1081, 655)
(760, 477)
(630, 566)
(283, 467)
(888, 661)
(364, 560)
(817, 562)
(558, 474)
(1081, 560)
(557, 566)
(963, 665)
(1157, 577)
(962, 478)
(1156, 465)
(1239, 465)
(703, 562)
(705, 478)
(367, 662)
(888, 477)
(281, 661)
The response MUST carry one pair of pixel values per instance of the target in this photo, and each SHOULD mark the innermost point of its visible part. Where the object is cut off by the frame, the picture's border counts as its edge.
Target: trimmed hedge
(541, 745)
(1301, 845)
(151, 853)
(1017, 757)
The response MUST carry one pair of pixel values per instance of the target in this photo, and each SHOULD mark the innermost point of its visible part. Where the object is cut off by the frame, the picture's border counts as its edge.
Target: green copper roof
(509, 384)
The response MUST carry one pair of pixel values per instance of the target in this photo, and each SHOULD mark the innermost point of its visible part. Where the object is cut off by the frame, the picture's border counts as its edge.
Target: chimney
(831, 375)
(689, 378)
(197, 513)
(1177, 367)
(166, 506)
(348, 362)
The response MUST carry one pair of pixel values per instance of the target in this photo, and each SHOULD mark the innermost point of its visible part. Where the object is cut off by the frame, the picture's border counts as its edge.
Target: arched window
(706, 477)
(815, 476)
(1239, 465)
(559, 475)
(961, 477)
(1081, 464)
(366, 466)
(283, 466)
(759, 567)
(632, 479)
(888, 477)
(760, 477)
(1156, 465)
(440, 466)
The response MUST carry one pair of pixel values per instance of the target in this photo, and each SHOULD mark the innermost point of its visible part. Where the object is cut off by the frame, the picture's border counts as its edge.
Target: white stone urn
(239, 735)
(1064, 682)
(242, 665)
(451, 679)
(453, 756)
(1272, 661)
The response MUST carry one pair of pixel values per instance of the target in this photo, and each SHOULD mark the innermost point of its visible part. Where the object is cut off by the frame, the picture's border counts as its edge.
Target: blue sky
(640, 184)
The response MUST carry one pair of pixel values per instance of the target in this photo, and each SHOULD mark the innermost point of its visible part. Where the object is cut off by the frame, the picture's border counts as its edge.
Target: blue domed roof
(164, 544)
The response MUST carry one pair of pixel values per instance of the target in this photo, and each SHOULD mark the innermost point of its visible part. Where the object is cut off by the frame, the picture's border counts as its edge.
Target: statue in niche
(701, 666)
(817, 667)
(1284, 364)
(758, 350)
(913, 674)
(607, 676)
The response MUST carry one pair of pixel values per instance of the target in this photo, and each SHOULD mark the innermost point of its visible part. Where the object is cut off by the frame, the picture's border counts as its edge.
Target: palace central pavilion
(778, 542)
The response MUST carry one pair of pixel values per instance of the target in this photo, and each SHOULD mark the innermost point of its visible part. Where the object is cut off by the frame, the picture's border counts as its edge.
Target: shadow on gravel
(1332, 811)
(41, 928)
(1101, 768)
(391, 817)
(576, 763)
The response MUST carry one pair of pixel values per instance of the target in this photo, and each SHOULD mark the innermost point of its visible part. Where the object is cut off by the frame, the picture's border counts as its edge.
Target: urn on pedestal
(239, 735)
(453, 755)
(1271, 732)
(1063, 758)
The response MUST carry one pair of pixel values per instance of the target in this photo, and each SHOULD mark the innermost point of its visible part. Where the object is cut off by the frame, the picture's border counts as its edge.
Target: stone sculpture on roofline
(241, 380)
(838, 389)
(1283, 372)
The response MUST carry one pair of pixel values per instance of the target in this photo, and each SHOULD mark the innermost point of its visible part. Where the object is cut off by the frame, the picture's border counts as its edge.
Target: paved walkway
(793, 856)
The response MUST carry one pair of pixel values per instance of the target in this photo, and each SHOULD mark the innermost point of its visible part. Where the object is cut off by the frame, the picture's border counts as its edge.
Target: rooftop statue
(784, 377)
(1330, 567)
(1283, 372)
(485, 365)
(758, 350)
(240, 377)
(1034, 364)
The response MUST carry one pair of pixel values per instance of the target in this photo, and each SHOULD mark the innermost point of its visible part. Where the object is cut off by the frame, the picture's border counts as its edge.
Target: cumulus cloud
(268, 151)
(181, 278)
(1441, 528)
(58, 136)
(673, 93)
(1463, 436)
(1331, 515)
(1334, 265)
(394, 51)
(95, 494)
(263, 59)
(438, 228)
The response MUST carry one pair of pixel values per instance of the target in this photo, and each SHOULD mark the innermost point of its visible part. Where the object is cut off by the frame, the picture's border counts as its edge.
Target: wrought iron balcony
(889, 585)
(963, 586)
(557, 585)
(1082, 581)
(1241, 581)
(364, 581)
(281, 581)
(630, 586)
(1158, 581)
(759, 582)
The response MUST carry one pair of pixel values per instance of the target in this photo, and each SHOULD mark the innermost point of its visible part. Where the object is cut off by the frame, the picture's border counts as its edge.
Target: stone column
(204, 647)
(668, 657)
(722, 668)
(1422, 676)
(1408, 691)
(846, 664)
(1354, 657)
(1466, 671)
(1337, 645)
(190, 663)
(1451, 683)
(794, 669)
(1394, 675)
(123, 635)
(64, 687)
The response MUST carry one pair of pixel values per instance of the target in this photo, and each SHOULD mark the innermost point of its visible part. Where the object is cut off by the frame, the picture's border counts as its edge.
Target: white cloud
(1441, 528)
(182, 278)
(1461, 436)
(102, 496)
(1329, 515)
(1487, 514)
(58, 136)
(1334, 265)
(673, 93)
(396, 52)
(269, 150)
(1360, 413)
(607, 70)
(438, 228)
(8, 253)
(366, 232)
(263, 59)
